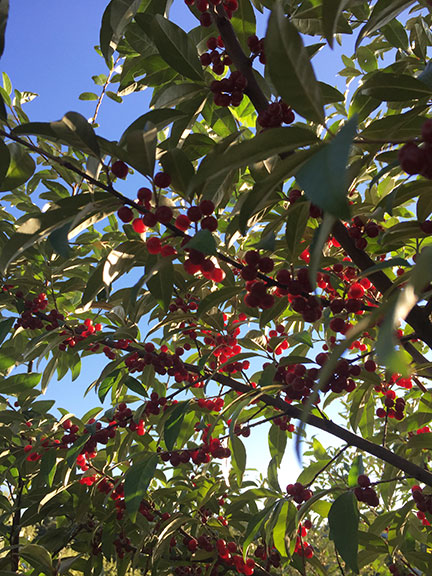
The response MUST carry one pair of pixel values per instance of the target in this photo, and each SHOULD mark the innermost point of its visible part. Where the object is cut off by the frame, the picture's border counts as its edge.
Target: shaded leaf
(204, 241)
(19, 164)
(390, 87)
(343, 521)
(137, 481)
(290, 68)
(324, 176)
(174, 424)
(331, 11)
(383, 12)
(116, 17)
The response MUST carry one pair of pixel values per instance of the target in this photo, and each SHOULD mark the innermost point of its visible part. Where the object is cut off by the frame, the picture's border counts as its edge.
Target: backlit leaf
(137, 481)
(343, 521)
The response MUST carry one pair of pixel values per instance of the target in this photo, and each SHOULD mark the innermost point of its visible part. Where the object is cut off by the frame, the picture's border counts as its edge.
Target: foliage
(275, 259)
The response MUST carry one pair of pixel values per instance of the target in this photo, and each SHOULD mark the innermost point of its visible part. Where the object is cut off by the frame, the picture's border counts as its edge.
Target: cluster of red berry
(31, 317)
(415, 159)
(399, 570)
(302, 548)
(283, 422)
(217, 60)
(423, 501)
(276, 114)
(229, 91)
(299, 493)
(364, 491)
(80, 333)
(204, 6)
(256, 46)
(272, 558)
(394, 407)
(163, 362)
(230, 555)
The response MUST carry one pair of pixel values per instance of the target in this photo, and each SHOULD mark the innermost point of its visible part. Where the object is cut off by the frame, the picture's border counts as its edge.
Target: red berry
(207, 207)
(370, 366)
(209, 223)
(145, 195)
(411, 158)
(139, 226)
(162, 180)
(363, 481)
(194, 213)
(125, 214)
(120, 169)
(205, 20)
(182, 222)
(427, 131)
(164, 214)
(154, 245)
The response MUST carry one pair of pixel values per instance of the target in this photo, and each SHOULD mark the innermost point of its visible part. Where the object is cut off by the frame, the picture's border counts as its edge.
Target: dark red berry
(120, 169)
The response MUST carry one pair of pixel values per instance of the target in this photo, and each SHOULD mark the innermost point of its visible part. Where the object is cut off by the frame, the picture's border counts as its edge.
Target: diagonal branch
(416, 318)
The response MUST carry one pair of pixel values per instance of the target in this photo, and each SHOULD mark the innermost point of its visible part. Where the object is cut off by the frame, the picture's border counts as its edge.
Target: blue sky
(49, 50)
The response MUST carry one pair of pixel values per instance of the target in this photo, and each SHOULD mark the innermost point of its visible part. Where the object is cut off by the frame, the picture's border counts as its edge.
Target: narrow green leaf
(324, 176)
(383, 12)
(176, 48)
(135, 385)
(390, 87)
(243, 22)
(277, 439)
(116, 17)
(289, 66)
(19, 383)
(176, 163)
(3, 112)
(137, 481)
(254, 526)
(204, 241)
(174, 424)
(19, 164)
(5, 327)
(159, 118)
(331, 12)
(140, 146)
(394, 32)
(75, 450)
(214, 299)
(59, 240)
(263, 146)
(76, 130)
(161, 284)
(4, 160)
(296, 222)
(343, 521)
(284, 527)
(4, 12)
(238, 457)
(38, 557)
(355, 471)
(107, 383)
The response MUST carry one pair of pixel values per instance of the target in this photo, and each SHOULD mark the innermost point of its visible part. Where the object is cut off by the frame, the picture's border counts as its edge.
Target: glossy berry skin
(411, 158)
(120, 169)
(162, 180)
(139, 226)
(125, 214)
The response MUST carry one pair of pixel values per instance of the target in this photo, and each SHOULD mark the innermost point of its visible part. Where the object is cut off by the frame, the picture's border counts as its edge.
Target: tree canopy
(273, 266)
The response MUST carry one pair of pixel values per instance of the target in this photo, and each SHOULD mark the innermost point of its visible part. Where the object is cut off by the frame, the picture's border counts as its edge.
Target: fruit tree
(272, 270)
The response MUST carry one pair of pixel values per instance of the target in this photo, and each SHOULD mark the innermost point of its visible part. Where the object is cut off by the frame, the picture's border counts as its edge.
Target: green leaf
(75, 450)
(59, 240)
(343, 521)
(82, 210)
(137, 481)
(284, 527)
(176, 163)
(107, 383)
(175, 47)
(4, 160)
(3, 112)
(355, 471)
(38, 557)
(161, 284)
(243, 22)
(19, 164)
(204, 241)
(116, 17)
(135, 385)
(331, 12)
(390, 87)
(289, 66)
(5, 328)
(261, 147)
(88, 96)
(394, 32)
(19, 383)
(254, 526)
(76, 130)
(277, 439)
(140, 146)
(238, 457)
(383, 12)
(296, 222)
(324, 176)
(159, 118)
(387, 350)
(4, 12)
(215, 298)
(174, 423)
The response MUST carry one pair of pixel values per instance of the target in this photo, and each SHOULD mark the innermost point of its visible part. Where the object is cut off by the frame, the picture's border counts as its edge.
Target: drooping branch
(328, 426)
(417, 319)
